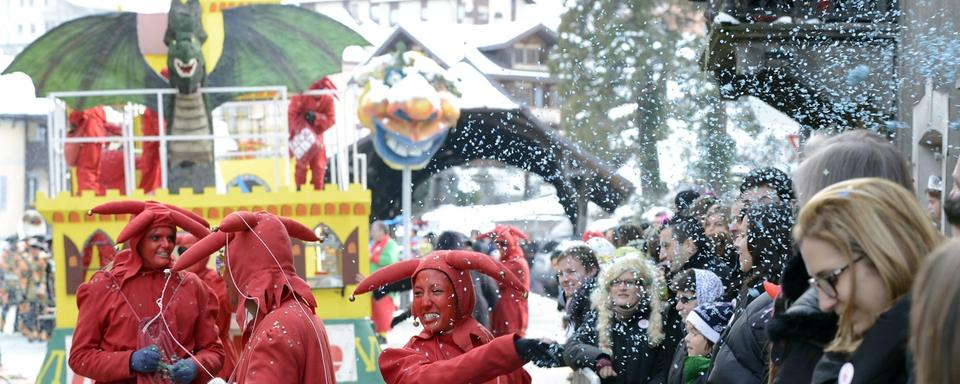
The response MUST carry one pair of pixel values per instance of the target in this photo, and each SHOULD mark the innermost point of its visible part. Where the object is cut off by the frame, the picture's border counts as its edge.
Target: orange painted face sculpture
(434, 301)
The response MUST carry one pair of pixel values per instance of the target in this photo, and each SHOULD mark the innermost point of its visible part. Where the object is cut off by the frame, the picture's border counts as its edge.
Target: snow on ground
(20, 360)
(544, 323)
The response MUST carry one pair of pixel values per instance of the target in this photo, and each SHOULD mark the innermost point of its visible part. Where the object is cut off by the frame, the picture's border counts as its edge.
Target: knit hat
(711, 319)
(709, 286)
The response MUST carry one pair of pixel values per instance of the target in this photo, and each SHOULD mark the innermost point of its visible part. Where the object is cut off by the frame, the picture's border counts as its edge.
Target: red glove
(507, 238)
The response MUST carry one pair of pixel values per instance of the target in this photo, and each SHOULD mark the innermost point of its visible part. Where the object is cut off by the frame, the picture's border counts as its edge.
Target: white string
(300, 305)
(165, 326)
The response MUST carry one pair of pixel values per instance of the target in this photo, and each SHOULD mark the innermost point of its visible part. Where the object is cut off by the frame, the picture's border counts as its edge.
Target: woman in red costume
(511, 313)
(314, 113)
(284, 342)
(453, 347)
(122, 335)
(219, 287)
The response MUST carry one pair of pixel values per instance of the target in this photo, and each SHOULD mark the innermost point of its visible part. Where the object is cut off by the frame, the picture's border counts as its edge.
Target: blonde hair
(601, 302)
(935, 316)
(878, 219)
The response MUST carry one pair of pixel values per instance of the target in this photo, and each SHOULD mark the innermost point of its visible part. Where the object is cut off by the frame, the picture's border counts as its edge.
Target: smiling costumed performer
(283, 342)
(121, 335)
(453, 347)
(511, 314)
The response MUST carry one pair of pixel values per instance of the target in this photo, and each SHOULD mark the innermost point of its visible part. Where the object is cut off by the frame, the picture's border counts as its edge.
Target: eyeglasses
(828, 283)
(686, 299)
(626, 283)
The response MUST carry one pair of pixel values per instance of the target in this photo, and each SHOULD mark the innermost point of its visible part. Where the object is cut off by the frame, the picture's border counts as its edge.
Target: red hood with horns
(455, 264)
(149, 215)
(258, 257)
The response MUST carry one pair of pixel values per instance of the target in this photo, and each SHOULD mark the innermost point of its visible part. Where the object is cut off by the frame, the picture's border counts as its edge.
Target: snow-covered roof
(497, 36)
(484, 217)
(18, 96)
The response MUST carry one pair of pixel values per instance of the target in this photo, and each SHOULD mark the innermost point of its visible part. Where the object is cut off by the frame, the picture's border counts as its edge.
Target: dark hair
(769, 241)
(684, 199)
(686, 227)
(450, 240)
(626, 233)
(685, 280)
(583, 254)
(951, 209)
(701, 206)
(772, 177)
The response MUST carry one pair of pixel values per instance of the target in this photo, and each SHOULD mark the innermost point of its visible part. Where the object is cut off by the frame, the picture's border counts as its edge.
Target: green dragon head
(184, 37)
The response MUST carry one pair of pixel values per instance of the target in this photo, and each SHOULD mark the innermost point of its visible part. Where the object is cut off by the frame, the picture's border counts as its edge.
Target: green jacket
(388, 255)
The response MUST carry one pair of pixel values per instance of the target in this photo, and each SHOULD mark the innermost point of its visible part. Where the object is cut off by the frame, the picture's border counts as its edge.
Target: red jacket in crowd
(511, 314)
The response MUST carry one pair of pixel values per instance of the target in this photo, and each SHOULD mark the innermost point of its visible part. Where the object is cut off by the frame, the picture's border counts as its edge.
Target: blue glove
(183, 371)
(145, 360)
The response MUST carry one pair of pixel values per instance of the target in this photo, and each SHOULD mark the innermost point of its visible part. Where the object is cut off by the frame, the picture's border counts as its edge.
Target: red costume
(284, 342)
(118, 313)
(321, 110)
(453, 347)
(86, 156)
(219, 287)
(511, 314)
(150, 160)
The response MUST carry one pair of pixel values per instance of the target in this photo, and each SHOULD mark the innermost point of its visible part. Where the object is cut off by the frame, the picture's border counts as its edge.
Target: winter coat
(675, 376)
(290, 345)
(881, 356)
(634, 359)
(116, 304)
(798, 335)
(741, 355)
(455, 357)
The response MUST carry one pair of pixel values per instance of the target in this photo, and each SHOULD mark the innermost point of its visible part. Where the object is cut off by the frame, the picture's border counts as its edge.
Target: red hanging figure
(284, 341)
(511, 313)
(308, 118)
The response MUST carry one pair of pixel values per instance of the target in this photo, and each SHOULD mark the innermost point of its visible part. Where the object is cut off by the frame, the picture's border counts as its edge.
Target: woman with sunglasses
(862, 242)
(623, 338)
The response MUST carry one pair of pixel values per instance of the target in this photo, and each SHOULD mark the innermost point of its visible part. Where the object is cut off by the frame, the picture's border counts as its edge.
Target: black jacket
(797, 335)
(741, 355)
(675, 375)
(882, 355)
(634, 359)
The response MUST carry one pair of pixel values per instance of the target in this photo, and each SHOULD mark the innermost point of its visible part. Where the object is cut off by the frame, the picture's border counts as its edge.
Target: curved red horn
(201, 250)
(239, 221)
(386, 275)
(465, 260)
(119, 207)
(298, 230)
(188, 213)
(189, 225)
(138, 225)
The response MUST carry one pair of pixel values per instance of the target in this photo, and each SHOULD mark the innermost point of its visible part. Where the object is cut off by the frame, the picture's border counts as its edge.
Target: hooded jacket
(511, 313)
(120, 300)
(86, 156)
(468, 353)
(283, 342)
(635, 345)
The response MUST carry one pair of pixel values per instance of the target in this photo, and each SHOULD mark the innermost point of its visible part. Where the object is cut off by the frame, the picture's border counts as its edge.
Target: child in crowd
(704, 326)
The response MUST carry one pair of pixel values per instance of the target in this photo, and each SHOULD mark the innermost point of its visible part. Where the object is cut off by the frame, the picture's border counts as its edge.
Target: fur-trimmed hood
(646, 271)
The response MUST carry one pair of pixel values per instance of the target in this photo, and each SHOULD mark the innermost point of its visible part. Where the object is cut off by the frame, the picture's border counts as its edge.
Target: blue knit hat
(711, 319)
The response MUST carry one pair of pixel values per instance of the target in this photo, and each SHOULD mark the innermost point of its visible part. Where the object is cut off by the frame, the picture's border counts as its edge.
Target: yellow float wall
(342, 211)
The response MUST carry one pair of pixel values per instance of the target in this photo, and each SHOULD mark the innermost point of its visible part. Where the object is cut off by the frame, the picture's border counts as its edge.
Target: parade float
(226, 146)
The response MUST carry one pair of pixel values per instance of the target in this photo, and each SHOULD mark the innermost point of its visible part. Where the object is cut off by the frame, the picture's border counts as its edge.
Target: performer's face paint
(157, 246)
(434, 301)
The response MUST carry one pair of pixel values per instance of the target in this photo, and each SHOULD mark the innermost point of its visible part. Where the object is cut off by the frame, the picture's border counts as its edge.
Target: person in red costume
(219, 287)
(453, 347)
(122, 336)
(283, 342)
(511, 314)
(314, 114)
(86, 156)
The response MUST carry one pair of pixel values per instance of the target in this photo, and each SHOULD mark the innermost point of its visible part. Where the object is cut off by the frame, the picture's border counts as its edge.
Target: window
(529, 55)
(375, 13)
(33, 29)
(423, 10)
(19, 29)
(518, 55)
(392, 15)
(3, 193)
